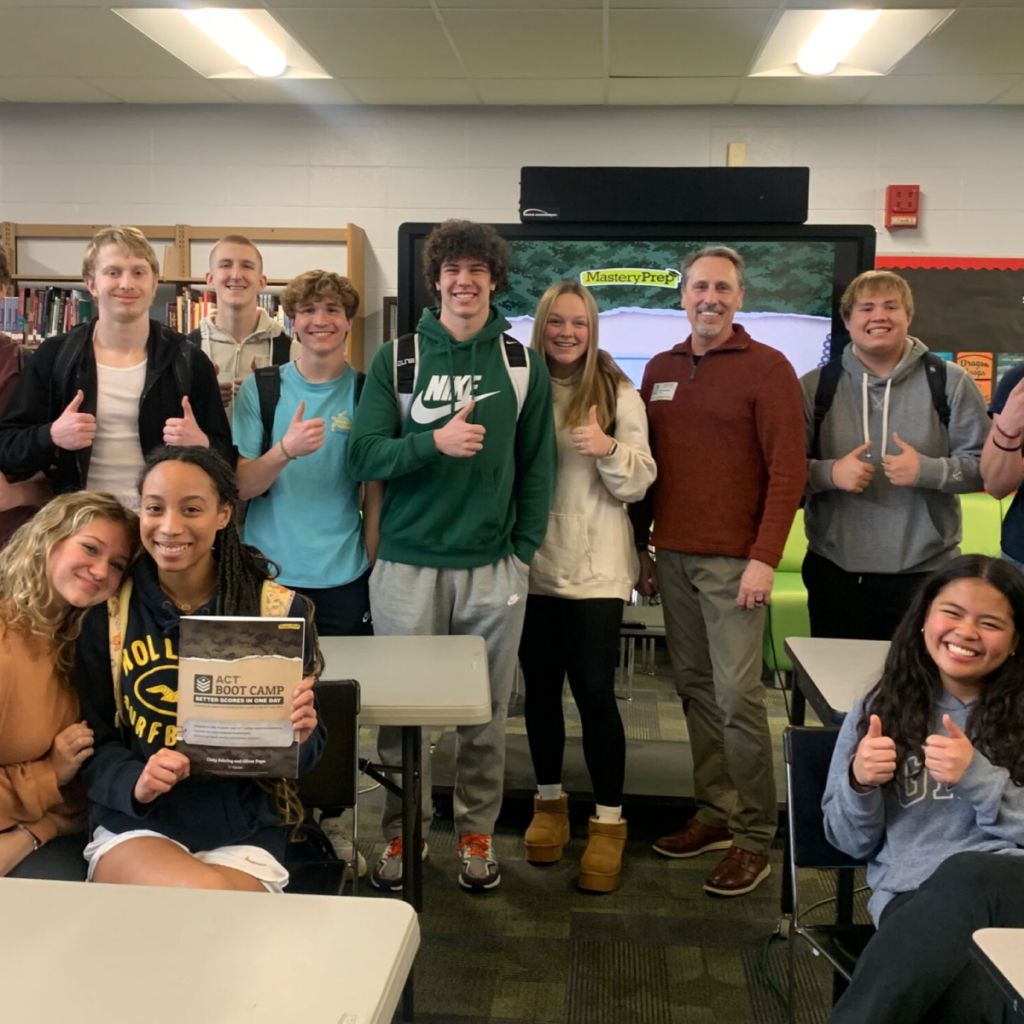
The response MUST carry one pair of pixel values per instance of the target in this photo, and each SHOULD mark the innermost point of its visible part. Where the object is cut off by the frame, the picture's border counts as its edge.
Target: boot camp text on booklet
(236, 678)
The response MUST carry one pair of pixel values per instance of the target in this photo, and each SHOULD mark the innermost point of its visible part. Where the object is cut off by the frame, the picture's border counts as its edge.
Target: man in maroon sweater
(726, 430)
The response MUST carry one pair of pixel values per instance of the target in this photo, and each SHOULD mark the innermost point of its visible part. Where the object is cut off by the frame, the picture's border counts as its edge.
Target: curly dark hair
(462, 240)
(904, 698)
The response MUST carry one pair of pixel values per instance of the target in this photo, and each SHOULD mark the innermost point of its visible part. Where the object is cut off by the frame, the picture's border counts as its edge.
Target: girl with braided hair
(927, 785)
(153, 823)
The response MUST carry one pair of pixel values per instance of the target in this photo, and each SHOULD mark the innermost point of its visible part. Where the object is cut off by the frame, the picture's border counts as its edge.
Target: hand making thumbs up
(592, 440)
(303, 437)
(875, 761)
(947, 757)
(72, 429)
(903, 470)
(184, 430)
(459, 438)
(851, 473)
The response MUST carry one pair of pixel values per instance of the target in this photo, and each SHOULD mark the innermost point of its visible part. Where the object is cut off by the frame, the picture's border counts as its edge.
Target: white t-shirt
(116, 459)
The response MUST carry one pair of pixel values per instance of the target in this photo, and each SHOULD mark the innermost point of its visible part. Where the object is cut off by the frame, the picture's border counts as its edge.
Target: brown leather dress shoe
(739, 872)
(695, 839)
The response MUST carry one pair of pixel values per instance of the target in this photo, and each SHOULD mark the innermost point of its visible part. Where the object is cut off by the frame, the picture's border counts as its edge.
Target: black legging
(580, 639)
(919, 967)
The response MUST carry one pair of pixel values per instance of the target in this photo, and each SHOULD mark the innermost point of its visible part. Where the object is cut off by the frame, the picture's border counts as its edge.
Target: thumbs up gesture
(184, 430)
(904, 469)
(303, 437)
(592, 440)
(72, 429)
(851, 473)
(947, 757)
(874, 764)
(459, 438)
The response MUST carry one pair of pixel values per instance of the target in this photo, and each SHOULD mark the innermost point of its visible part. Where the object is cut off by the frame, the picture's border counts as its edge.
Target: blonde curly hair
(28, 601)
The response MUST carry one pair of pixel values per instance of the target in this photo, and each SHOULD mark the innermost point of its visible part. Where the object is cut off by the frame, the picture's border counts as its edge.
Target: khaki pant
(715, 649)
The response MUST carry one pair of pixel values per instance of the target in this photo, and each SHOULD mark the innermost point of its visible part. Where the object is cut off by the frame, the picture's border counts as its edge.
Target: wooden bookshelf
(179, 255)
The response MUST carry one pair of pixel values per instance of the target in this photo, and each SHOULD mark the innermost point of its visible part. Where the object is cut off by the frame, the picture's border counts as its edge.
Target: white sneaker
(342, 843)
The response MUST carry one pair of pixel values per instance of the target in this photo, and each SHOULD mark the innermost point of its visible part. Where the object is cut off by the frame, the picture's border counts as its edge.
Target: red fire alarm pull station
(902, 206)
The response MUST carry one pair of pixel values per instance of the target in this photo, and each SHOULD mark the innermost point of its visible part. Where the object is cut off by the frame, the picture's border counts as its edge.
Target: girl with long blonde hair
(69, 557)
(579, 578)
(154, 824)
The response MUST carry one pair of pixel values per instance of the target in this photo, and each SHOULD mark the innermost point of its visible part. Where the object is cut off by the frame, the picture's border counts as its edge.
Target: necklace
(182, 606)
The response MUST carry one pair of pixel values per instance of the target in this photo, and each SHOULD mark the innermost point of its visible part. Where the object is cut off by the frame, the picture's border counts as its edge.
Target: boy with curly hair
(470, 462)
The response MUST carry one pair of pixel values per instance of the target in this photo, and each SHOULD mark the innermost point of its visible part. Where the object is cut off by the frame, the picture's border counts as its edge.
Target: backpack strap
(275, 600)
(181, 364)
(828, 382)
(117, 625)
(280, 350)
(268, 389)
(518, 365)
(360, 381)
(64, 364)
(405, 362)
(935, 372)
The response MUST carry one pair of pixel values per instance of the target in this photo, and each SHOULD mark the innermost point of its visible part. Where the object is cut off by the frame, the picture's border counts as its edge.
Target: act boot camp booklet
(236, 678)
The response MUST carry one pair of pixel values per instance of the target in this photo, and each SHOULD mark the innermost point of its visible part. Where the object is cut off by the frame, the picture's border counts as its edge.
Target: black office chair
(331, 787)
(808, 753)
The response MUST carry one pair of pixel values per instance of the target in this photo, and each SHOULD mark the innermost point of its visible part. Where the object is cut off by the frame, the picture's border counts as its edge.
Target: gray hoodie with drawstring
(890, 529)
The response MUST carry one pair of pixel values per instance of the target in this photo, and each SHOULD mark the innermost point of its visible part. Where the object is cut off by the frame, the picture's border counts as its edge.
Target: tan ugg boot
(549, 830)
(602, 859)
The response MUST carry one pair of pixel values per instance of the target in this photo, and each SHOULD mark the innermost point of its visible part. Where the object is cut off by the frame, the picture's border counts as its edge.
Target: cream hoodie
(588, 550)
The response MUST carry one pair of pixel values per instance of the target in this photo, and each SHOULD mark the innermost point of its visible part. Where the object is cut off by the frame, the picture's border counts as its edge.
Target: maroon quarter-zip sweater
(727, 434)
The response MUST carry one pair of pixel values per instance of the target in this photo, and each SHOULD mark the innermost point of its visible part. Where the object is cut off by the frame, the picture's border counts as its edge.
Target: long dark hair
(241, 572)
(905, 697)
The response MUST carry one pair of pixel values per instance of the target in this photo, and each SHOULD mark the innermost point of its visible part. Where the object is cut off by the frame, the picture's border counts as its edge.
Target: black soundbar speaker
(664, 195)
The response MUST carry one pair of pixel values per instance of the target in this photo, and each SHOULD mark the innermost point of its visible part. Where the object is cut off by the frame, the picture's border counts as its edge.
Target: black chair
(808, 753)
(331, 787)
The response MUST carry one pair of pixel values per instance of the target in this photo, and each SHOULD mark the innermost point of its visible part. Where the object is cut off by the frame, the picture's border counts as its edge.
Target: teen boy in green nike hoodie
(468, 490)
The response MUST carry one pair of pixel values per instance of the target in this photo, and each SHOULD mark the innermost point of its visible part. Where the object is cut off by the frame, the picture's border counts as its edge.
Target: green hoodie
(457, 512)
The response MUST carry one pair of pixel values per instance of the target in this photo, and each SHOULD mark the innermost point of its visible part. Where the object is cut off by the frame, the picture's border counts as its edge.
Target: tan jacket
(235, 358)
(34, 706)
(588, 550)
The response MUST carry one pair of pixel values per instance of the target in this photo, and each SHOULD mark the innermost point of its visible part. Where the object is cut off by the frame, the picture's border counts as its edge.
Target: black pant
(341, 611)
(856, 605)
(919, 966)
(580, 639)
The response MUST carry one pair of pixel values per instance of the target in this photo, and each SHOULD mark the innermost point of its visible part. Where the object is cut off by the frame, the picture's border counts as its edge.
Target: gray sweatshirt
(908, 827)
(889, 529)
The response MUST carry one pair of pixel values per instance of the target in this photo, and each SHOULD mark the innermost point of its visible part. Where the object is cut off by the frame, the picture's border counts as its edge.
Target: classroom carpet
(536, 950)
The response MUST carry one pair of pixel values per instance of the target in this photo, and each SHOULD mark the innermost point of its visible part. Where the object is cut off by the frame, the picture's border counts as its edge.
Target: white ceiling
(518, 52)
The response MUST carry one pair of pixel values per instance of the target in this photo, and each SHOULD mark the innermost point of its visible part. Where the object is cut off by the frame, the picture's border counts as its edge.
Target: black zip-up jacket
(202, 812)
(39, 398)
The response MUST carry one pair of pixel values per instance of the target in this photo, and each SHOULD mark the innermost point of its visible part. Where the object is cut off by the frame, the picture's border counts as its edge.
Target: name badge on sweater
(664, 392)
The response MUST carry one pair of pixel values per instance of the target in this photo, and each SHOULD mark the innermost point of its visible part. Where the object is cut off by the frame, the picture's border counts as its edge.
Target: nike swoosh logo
(424, 414)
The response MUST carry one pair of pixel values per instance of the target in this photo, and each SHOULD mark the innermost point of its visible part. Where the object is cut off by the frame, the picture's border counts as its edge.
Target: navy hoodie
(202, 812)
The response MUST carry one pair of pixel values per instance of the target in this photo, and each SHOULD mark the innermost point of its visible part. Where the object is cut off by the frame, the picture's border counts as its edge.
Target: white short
(253, 860)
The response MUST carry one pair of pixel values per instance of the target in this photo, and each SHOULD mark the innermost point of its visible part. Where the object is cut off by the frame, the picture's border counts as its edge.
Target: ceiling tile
(534, 6)
(671, 91)
(81, 42)
(52, 90)
(288, 90)
(799, 91)
(676, 5)
(938, 89)
(547, 44)
(541, 92)
(163, 90)
(412, 91)
(349, 4)
(676, 44)
(375, 43)
(986, 41)
(884, 4)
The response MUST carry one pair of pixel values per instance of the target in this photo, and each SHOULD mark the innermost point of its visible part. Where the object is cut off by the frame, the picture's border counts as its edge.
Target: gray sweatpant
(490, 602)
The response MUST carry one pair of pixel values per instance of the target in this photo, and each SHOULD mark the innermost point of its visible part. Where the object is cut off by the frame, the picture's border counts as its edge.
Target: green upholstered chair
(982, 524)
(787, 614)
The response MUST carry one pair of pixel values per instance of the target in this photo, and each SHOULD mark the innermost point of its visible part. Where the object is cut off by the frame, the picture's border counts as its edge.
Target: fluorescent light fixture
(844, 42)
(833, 38)
(225, 43)
(234, 32)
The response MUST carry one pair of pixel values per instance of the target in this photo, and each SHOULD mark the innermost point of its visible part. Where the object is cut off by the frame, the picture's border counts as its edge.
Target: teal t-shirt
(308, 522)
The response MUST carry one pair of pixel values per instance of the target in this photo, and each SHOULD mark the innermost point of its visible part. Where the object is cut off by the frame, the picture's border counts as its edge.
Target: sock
(609, 815)
(553, 792)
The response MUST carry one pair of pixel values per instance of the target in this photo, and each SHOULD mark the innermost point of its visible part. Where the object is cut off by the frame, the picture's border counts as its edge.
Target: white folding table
(1001, 952)
(833, 674)
(120, 954)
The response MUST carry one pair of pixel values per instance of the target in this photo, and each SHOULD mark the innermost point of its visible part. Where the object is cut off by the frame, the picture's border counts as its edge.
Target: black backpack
(828, 382)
